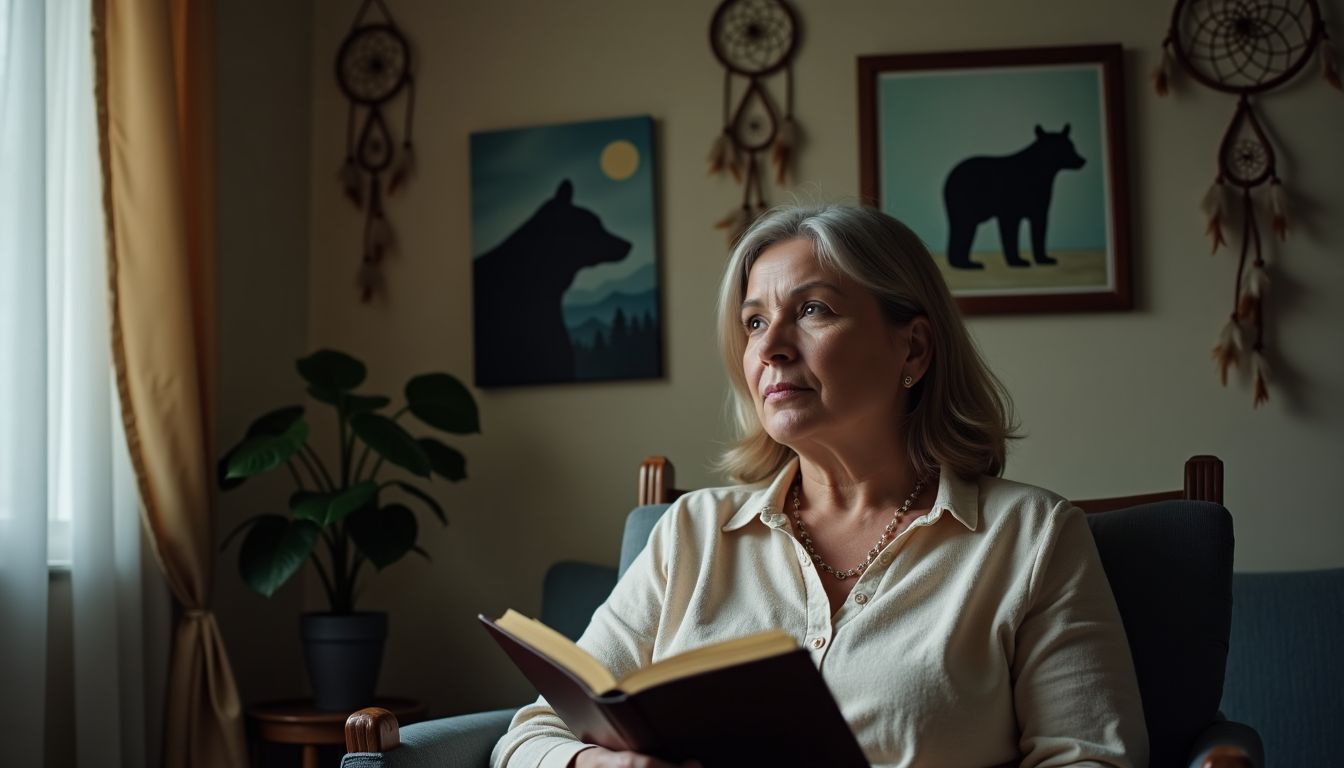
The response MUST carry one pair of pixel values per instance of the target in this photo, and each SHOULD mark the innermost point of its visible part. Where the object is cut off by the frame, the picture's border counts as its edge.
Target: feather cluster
(1278, 209)
(781, 151)
(1215, 212)
(1252, 295)
(1259, 379)
(735, 223)
(378, 238)
(724, 156)
(1228, 350)
(403, 170)
(352, 182)
(369, 280)
(1162, 75)
(1329, 68)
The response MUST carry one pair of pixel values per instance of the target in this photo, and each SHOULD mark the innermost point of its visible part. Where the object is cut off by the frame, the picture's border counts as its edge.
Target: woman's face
(822, 362)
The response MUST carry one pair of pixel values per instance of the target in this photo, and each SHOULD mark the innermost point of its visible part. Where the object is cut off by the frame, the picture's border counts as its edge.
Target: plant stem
(312, 472)
(400, 411)
(347, 446)
(326, 580)
(354, 573)
(377, 466)
(298, 481)
(320, 465)
(359, 468)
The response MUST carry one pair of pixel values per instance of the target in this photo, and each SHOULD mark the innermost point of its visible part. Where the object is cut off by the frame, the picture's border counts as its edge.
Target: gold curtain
(155, 80)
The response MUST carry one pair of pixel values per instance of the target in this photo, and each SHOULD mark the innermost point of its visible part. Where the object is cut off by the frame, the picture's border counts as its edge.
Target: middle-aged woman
(959, 619)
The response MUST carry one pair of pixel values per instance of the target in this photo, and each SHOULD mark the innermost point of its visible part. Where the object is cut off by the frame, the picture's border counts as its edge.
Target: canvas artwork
(1009, 165)
(564, 247)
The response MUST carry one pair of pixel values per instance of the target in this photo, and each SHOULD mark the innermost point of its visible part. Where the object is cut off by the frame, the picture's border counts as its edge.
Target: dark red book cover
(774, 711)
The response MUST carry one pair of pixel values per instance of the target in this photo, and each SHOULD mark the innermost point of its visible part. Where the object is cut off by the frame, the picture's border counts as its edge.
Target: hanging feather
(721, 155)
(1162, 75)
(1278, 209)
(1257, 281)
(402, 171)
(1329, 67)
(1260, 379)
(736, 222)
(1256, 286)
(352, 182)
(1215, 210)
(379, 238)
(369, 279)
(1228, 350)
(781, 151)
(1248, 308)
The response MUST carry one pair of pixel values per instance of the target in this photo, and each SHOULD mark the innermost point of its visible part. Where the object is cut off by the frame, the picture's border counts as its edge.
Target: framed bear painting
(564, 254)
(1010, 165)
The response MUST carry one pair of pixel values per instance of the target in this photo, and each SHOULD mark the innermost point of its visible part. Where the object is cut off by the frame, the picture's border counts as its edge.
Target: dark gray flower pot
(344, 652)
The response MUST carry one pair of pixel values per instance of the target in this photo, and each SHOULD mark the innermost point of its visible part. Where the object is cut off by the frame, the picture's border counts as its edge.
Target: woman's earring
(908, 382)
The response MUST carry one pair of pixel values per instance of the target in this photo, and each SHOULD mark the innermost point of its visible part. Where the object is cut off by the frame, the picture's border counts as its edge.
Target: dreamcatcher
(373, 67)
(1245, 47)
(753, 39)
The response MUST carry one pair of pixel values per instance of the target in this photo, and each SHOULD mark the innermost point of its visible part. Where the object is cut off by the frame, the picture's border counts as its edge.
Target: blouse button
(886, 559)
(818, 642)
(861, 598)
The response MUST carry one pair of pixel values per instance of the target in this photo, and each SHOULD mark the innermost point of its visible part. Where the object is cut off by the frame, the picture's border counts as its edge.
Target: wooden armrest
(1226, 757)
(372, 729)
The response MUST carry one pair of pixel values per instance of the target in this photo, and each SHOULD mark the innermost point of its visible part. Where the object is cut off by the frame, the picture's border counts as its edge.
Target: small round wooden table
(296, 721)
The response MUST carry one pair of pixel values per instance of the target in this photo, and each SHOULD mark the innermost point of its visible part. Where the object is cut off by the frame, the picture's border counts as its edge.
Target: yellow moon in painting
(619, 160)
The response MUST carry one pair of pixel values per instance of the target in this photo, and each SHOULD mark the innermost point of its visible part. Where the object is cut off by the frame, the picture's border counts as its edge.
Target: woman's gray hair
(960, 415)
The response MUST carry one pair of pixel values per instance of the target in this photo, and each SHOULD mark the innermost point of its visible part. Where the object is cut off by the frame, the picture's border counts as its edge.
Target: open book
(754, 700)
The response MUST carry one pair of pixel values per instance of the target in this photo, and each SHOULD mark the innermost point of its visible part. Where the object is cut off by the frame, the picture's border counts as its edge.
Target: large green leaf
(325, 509)
(441, 401)
(323, 396)
(391, 442)
(428, 500)
(446, 462)
(364, 403)
(274, 549)
(310, 506)
(350, 500)
(274, 423)
(266, 452)
(330, 371)
(383, 535)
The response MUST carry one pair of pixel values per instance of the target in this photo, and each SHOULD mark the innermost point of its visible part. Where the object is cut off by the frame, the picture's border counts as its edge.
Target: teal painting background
(930, 120)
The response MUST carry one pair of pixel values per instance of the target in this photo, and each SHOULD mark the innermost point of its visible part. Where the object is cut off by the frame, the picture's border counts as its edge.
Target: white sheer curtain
(66, 485)
(23, 385)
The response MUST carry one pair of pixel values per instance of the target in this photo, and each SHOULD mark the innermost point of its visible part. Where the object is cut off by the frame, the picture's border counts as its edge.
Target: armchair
(1169, 560)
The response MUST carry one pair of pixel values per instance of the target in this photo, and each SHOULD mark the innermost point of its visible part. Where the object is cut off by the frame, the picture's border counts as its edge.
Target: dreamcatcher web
(1245, 47)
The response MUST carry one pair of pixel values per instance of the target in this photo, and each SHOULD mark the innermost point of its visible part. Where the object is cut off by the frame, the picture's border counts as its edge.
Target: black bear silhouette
(520, 331)
(1010, 188)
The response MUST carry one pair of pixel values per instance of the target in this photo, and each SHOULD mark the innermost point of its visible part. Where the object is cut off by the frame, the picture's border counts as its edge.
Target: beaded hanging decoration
(1245, 47)
(753, 39)
(373, 67)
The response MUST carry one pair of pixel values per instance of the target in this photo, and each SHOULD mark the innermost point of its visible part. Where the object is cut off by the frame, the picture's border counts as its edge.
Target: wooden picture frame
(1033, 139)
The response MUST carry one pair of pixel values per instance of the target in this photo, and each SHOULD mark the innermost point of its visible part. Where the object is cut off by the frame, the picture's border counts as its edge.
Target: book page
(559, 649)
(772, 642)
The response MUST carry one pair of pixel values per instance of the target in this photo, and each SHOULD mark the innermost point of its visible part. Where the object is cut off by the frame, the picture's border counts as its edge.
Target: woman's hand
(598, 757)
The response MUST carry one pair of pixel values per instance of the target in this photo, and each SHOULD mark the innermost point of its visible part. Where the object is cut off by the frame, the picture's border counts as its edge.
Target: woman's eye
(813, 308)
(753, 323)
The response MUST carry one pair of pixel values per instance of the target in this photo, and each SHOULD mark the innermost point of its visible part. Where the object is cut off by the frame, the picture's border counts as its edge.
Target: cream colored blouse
(984, 634)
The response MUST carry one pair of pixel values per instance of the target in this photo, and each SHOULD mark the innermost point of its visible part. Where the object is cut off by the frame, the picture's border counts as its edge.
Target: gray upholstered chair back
(1170, 568)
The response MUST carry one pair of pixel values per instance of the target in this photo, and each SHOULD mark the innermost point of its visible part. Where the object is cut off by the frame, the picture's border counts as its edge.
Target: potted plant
(342, 514)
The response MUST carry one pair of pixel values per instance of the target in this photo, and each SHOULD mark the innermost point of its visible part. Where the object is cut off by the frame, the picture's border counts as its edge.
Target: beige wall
(1112, 402)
